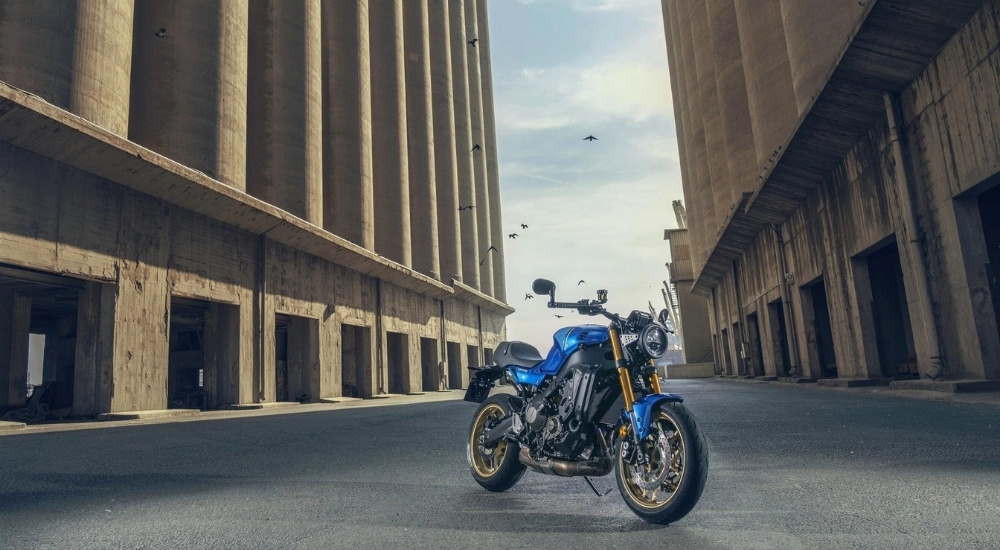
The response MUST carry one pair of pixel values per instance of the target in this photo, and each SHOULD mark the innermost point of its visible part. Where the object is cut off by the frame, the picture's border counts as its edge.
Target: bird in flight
(529, 297)
(491, 249)
(470, 207)
(524, 226)
(162, 33)
(559, 316)
(590, 138)
(473, 42)
(513, 236)
(582, 282)
(477, 147)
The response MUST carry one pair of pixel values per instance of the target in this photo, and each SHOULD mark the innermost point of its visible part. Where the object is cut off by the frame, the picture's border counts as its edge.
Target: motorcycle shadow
(531, 512)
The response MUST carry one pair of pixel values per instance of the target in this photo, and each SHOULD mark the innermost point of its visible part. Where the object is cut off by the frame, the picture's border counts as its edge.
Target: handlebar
(586, 307)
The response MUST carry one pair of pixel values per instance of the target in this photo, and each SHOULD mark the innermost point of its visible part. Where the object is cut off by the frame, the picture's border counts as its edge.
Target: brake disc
(654, 473)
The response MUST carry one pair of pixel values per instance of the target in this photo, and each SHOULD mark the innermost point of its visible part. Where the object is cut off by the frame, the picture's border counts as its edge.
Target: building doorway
(779, 338)
(430, 375)
(824, 330)
(282, 392)
(893, 334)
(455, 366)
(989, 210)
(355, 356)
(398, 361)
(728, 367)
(756, 354)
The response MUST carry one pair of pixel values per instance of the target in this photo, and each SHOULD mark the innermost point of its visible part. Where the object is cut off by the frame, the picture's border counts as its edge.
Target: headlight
(653, 341)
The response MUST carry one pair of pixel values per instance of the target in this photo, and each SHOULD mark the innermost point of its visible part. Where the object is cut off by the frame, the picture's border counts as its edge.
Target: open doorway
(398, 358)
(756, 354)
(455, 366)
(186, 360)
(473, 353)
(356, 361)
(296, 364)
(430, 378)
(282, 391)
(726, 353)
(817, 299)
(779, 337)
(893, 334)
(989, 209)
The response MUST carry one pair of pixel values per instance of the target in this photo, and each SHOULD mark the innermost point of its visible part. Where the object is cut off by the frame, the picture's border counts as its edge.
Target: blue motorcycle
(592, 406)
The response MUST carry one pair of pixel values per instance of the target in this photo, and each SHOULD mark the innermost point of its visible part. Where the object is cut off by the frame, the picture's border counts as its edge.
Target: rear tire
(666, 489)
(495, 468)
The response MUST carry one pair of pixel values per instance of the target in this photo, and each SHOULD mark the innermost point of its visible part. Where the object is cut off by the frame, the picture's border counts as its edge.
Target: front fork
(625, 380)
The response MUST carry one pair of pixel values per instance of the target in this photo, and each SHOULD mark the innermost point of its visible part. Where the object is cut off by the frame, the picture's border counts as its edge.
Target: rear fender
(642, 411)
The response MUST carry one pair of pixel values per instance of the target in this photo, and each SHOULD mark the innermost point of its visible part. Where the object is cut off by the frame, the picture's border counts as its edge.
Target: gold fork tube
(654, 379)
(623, 375)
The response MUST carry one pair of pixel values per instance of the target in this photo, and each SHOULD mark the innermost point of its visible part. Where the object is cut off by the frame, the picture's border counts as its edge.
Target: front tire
(496, 468)
(667, 488)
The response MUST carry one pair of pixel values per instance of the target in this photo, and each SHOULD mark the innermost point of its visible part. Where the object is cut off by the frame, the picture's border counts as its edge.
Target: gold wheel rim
(667, 451)
(485, 461)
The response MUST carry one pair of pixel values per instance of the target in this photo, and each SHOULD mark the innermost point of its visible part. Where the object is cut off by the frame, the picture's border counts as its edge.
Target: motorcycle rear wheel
(667, 488)
(496, 468)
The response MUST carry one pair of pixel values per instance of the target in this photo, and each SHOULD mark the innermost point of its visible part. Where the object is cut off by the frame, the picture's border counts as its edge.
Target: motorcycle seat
(516, 354)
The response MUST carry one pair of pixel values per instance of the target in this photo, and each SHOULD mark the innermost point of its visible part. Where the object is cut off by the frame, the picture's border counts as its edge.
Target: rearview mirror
(544, 286)
(602, 296)
(664, 316)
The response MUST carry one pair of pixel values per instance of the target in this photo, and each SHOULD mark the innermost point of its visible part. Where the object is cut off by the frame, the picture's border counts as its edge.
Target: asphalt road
(790, 467)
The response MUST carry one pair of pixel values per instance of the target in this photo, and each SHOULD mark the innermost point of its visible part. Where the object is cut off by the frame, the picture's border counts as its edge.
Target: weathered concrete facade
(863, 242)
(189, 233)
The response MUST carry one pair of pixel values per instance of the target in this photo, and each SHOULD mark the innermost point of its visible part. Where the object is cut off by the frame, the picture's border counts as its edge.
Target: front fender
(642, 410)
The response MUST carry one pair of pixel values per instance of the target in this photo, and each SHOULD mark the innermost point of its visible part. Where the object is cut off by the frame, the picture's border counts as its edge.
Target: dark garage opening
(355, 360)
(454, 366)
(397, 353)
(779, 338)
(989, 209)
(186, 362)
(756, 353)
(282, 392)
(893, 335)
(431, 378)
(824, 330)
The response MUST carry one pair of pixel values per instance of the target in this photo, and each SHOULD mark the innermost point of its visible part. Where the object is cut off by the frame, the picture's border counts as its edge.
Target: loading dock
(989, 211)
(356, 360)
(398, 362)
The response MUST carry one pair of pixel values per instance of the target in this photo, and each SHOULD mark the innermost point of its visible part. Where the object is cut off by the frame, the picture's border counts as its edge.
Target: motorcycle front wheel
(496, 468)
(667, 487)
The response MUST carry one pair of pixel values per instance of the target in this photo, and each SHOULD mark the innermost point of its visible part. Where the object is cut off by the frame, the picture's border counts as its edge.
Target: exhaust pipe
(568, 468)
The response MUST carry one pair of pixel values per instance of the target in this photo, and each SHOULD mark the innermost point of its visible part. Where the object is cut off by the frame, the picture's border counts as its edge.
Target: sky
(595, 210)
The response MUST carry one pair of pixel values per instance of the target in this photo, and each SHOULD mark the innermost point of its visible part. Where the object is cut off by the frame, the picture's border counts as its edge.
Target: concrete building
(207, 204)
(842, 175)
(689, 311)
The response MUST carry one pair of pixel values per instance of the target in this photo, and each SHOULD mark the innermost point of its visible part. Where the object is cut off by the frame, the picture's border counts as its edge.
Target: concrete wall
(941, 159)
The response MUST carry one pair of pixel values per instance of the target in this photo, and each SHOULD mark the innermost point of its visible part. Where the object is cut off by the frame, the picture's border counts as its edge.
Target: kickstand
(596, 492)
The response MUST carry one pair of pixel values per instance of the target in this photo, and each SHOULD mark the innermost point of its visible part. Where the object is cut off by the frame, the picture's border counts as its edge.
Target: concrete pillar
(463, 141)
(678, 88)
(492, 161)
(445, 144)
(348, 207)
(285, 106)
(420, 139)
(485, 238)
(715, 137)
(76, 55)
(189, 88)
(702, 207)
(390, 173)
(816, 32)
(733, 105)
(94, 331)
(15, 321)
(773, 110)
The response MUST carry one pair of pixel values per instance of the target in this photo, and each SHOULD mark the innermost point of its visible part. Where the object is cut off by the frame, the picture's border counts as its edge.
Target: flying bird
(477, 147)
(473, 42)
(590, 138)
(491, 249)
(513, 236)
(582, 282)
(162, 33)
(529, 297)
(560, 316)
(524, 226)
(470, 207)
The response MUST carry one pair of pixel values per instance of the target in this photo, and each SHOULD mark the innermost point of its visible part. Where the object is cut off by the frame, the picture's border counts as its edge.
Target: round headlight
(653, 341)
